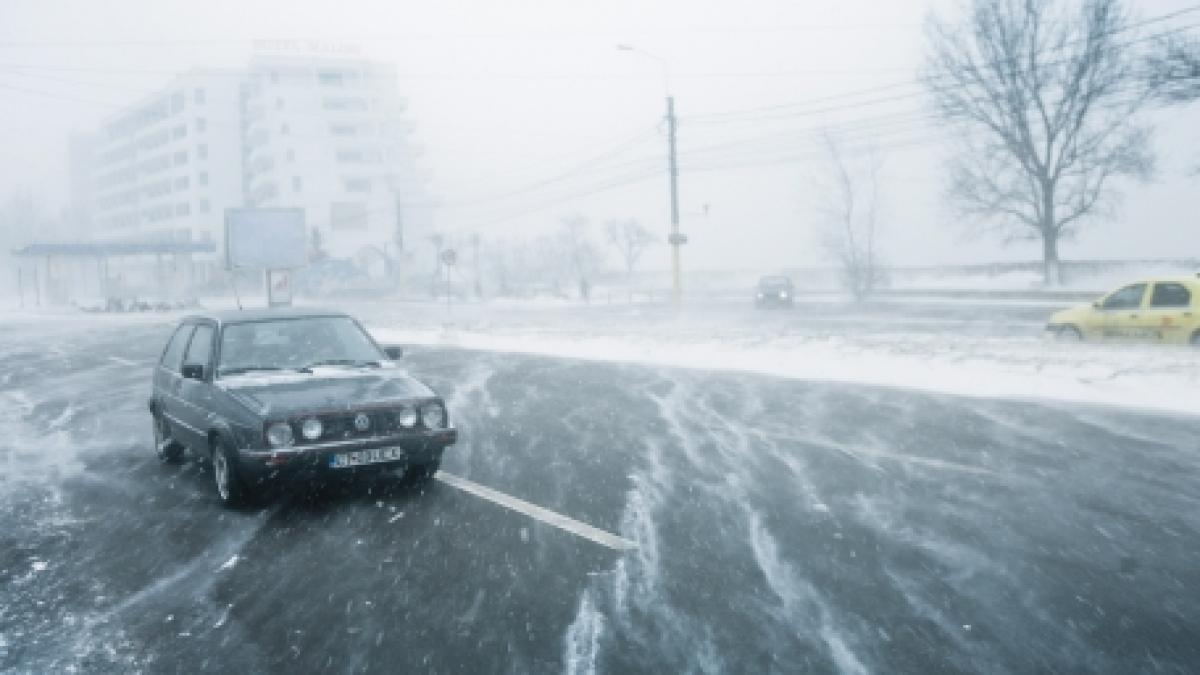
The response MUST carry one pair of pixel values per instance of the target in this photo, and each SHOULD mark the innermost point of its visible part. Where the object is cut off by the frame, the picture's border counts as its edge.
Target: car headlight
(279, 435)
(312, 429)
(406, 417)
(433, 415)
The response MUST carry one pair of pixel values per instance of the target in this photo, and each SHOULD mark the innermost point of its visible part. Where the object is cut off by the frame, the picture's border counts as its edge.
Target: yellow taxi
(1157, 310)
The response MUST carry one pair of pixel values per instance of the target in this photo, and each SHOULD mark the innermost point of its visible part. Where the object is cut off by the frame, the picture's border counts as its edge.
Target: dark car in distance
(264, 396)
(774, 291)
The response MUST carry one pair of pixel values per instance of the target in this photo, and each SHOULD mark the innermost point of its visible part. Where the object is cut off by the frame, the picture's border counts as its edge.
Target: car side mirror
(193, 371)
(394, 353)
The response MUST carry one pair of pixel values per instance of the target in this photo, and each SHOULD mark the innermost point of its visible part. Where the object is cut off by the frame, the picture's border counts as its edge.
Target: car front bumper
(315, 460)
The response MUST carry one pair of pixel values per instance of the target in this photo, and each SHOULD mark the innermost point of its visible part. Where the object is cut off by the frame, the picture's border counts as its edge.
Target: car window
(294, 343)
(1129, 297)
(1170, 295)
(172, 357)
(200, 348)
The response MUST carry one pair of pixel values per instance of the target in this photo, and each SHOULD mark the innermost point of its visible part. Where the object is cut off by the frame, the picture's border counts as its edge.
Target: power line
(918, 83)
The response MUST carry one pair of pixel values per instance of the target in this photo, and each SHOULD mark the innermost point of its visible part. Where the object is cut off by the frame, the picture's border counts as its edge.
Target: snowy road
(780, 526)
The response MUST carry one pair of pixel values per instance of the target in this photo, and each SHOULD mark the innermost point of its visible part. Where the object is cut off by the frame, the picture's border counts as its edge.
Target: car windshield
(774, 282)
(294, 343)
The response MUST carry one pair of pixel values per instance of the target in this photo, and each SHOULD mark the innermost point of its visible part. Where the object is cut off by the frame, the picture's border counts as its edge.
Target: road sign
(449, 257)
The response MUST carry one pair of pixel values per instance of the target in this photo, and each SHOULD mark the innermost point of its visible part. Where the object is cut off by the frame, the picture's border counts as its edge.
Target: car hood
(325, 389)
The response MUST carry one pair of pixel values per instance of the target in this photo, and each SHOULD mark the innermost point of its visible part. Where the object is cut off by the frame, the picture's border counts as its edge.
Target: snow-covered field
(995, 352)
(924, 353)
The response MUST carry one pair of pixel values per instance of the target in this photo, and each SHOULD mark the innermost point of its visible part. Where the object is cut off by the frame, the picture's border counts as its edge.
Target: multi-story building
(324, 134)
(168, 166)
(328, 135)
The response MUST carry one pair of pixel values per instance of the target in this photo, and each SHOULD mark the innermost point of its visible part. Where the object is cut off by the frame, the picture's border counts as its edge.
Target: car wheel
(168, 449)
(230, 488)
(423, 473)
(1070, 334)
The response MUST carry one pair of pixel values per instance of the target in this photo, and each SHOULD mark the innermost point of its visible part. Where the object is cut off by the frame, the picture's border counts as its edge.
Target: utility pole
(676, 239)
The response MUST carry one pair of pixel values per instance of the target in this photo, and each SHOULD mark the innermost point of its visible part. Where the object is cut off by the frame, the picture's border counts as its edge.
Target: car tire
(168, 450)
(230, 489)
(423, 473)
(1070, 334)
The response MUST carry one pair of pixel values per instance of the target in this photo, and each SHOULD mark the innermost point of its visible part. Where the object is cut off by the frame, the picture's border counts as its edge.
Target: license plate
(345, 460)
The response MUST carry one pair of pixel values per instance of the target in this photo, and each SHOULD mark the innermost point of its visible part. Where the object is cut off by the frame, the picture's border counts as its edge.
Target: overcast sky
(508, 95)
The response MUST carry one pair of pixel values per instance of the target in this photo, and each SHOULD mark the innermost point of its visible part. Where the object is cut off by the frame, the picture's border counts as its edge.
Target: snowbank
(1148, 377)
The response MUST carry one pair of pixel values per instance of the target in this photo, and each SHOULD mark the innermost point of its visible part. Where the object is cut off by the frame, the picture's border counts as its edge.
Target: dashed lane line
(565, 523)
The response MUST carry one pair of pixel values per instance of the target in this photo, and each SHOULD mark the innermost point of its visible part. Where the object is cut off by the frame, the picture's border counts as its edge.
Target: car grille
(341, 426)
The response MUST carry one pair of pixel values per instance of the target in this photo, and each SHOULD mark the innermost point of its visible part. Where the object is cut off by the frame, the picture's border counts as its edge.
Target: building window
(181, 183)
(296, 183)
(357, 184)
(198, 96)
(183, 209)
(177, 102)
(201, 124)
(342, 129)
(291, 155)
(274, 77)
(181, 157)
(331, 79)
(202, 151)
(202, 206)
(202, 178)
(279, 103)
(350, 156)
(283, 130)
(179, 131)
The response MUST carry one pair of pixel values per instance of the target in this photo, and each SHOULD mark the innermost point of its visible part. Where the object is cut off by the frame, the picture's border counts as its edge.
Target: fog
(599, 336)
(522, 114)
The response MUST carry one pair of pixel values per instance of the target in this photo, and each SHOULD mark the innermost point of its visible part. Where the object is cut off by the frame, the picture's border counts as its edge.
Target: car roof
(247, 315)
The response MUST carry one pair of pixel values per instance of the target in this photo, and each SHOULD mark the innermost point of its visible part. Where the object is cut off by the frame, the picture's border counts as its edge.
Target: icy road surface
(780, 526)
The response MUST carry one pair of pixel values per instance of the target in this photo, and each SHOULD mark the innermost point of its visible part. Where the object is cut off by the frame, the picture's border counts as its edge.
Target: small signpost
(448, 257)
(279, 288)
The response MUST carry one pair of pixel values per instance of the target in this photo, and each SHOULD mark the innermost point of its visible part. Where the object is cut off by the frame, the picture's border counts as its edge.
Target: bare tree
(1174, 70)
(631, 239)
(582, 255)
(1046, 103)
(848, 201)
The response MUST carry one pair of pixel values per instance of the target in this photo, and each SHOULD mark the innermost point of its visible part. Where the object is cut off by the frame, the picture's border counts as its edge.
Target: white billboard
(265, 239)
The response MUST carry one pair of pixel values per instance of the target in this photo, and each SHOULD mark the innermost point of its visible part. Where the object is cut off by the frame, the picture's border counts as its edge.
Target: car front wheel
(423, 473)
(167, 448)
(1070, 334)
(230, 488)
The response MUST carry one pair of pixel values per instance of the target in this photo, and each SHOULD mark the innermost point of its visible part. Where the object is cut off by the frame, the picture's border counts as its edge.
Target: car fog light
(406, 417)
(312, 428)
(279, 434)
(433, 416)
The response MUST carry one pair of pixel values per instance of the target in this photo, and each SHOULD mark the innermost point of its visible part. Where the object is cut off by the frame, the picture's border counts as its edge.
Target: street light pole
(676, 238)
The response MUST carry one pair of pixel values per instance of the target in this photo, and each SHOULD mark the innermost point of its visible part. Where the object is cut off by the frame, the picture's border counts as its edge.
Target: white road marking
(536, 512)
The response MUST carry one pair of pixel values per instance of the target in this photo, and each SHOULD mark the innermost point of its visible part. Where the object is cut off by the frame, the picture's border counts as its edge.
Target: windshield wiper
(248, 369)
(342, 362)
